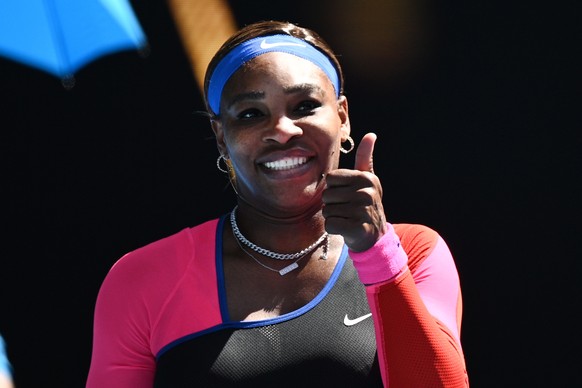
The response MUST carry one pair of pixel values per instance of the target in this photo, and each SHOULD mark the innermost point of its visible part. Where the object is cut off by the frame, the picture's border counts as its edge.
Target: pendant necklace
(240, 240)
(284, 271)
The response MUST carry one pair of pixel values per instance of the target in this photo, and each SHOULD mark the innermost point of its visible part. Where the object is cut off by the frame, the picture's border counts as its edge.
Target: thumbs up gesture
(353, 200)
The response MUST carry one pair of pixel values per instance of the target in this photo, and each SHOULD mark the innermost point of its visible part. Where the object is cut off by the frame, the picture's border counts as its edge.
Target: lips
(287, 163)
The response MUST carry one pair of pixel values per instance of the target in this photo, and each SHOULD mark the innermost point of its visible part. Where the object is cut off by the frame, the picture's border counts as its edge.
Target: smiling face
(281, 125)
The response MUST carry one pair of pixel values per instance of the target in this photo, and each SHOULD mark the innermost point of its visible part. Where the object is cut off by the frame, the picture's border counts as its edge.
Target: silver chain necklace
(285, 270)
(273, 255)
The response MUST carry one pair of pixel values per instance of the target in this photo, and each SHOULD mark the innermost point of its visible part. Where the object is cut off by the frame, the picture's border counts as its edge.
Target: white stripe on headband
(252, 48)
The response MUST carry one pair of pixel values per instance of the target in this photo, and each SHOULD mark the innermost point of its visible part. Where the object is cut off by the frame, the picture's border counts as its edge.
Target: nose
(282, 130)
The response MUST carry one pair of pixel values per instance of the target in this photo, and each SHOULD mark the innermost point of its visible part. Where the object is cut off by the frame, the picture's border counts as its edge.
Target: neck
(283, 232)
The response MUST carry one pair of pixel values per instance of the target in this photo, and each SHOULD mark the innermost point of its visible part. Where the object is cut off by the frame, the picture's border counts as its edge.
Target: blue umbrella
(61, 36)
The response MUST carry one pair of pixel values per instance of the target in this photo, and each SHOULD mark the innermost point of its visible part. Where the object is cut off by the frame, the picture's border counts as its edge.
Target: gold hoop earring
(221, 157)
(352, 145)
(229, 170)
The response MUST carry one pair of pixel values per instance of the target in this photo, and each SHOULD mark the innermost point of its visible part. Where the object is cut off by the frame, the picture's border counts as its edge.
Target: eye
(307, 107)
(248, 114)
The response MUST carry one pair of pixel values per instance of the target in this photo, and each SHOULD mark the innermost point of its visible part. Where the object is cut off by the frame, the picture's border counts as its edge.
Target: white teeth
(286, 163)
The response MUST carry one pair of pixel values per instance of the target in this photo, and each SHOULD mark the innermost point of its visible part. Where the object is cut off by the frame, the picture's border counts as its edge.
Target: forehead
(277, 67)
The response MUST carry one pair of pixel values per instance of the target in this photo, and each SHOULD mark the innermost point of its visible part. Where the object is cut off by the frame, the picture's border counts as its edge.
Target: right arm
(121, 356)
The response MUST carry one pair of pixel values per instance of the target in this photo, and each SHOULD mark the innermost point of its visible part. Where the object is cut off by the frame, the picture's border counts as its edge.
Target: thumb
(365, 152)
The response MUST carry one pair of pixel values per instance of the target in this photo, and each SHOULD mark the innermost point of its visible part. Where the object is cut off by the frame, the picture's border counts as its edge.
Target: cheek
(331, 126)
(239, 148)
(236, 141)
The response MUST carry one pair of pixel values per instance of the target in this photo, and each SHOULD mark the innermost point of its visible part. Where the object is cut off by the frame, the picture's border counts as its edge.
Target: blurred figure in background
(5, 368)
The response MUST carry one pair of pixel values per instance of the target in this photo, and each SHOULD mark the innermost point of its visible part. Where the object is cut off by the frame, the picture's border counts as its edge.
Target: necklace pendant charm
(288, 269)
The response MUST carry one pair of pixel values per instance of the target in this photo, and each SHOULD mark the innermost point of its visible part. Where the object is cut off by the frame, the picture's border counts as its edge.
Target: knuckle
(365, 196)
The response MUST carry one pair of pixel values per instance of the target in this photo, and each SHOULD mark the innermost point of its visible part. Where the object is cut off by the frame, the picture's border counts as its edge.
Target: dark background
(479, 137)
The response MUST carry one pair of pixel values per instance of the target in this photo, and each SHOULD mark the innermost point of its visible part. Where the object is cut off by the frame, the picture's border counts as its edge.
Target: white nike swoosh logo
(265, 45)
(352, 322)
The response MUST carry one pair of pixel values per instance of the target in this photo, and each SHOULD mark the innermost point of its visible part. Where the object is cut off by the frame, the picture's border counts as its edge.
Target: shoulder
(138, 287)
(415, 233)
(161, 261)
(418, 241)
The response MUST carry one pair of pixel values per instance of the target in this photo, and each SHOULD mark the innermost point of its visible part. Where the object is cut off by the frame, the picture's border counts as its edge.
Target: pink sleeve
(121, 356)
(417, 311)
(437, 282)
(141, 306)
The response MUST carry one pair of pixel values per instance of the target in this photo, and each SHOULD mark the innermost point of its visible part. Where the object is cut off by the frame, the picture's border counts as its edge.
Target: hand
(353, 201)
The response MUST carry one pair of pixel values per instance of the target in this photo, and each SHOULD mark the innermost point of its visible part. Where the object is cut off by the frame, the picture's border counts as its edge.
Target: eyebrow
(306, 87)
(258, 95)
(254, 95)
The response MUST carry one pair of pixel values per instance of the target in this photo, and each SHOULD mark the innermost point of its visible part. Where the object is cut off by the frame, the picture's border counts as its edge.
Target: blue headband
(252, 48)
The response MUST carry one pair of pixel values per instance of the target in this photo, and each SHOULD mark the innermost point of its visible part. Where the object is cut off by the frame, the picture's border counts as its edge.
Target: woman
(304, 282)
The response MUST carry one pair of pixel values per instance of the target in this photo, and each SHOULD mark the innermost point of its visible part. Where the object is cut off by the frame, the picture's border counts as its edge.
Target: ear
(219, 134)
(342, 110)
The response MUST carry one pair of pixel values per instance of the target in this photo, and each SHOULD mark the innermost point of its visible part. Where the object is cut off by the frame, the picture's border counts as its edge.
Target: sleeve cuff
(383, 261)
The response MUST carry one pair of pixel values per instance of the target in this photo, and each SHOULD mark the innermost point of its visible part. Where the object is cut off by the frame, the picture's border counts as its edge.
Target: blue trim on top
(294, 314)
(187, 338)
(221, 287)
(227, 323)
